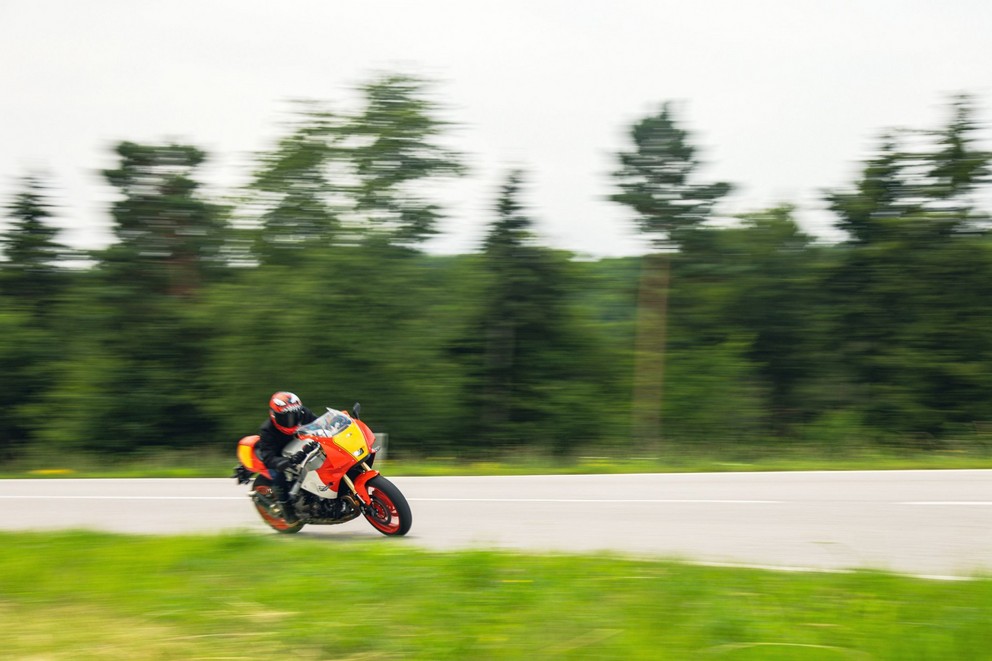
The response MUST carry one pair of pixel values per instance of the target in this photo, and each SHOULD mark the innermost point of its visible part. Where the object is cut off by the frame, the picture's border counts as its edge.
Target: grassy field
(79, 595)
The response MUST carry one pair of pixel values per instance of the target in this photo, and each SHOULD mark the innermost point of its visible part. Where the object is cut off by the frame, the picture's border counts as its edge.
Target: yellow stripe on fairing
(352, 440)
(246, 457)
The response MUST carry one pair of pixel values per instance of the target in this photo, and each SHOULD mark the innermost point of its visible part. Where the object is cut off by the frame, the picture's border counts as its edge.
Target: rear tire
(263, 486)
(389, 513)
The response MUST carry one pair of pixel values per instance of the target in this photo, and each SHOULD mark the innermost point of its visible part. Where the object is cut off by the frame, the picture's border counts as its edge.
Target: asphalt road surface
(931, 523)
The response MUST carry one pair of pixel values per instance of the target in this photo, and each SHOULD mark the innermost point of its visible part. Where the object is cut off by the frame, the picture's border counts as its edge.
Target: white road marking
(593, 500)
(48, 497)
(434, 500)
(606, 501)
(949, 502)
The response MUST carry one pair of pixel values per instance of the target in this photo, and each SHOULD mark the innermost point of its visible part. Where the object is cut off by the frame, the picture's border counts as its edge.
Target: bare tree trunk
(649, 351)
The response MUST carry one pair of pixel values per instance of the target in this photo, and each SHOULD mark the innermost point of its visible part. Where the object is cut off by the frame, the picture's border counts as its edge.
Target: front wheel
(265, 496)
(389, 513)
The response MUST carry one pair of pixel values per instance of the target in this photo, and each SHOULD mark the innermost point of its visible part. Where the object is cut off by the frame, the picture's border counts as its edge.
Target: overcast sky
(783, 96)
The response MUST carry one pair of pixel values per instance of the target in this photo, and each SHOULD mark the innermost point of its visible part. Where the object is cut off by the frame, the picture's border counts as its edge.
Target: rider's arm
(268, 449)
(308, 416)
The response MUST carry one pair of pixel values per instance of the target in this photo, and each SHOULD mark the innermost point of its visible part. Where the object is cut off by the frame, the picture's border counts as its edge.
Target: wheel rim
(273, 521)
(382, 513)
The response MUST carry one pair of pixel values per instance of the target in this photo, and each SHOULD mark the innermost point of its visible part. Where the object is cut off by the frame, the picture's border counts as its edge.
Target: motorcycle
(332, 482)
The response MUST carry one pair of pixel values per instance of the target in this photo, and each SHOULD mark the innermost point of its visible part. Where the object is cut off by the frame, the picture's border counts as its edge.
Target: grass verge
(211, 463)
(80, 595)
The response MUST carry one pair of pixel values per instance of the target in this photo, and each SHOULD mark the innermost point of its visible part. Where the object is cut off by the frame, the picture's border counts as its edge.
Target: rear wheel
(389, 513)
(263, 487)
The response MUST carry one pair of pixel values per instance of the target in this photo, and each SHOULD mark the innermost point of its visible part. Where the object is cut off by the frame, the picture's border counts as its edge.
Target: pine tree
(31, 270)
(528, 361)
(169, 239)
(656, 180)
(958, 166)
(31, 280)
(911, 284)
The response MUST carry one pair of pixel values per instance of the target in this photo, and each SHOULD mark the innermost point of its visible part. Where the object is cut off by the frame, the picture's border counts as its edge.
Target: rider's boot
(285, 504)
(288, 511)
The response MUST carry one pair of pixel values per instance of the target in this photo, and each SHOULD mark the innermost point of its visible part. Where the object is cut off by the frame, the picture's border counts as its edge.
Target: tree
(27, 349)
(512, 307)
(912, 282)
(754, 285)
(531, 366)
(356, 178)
(958, 167)
(129, 371)
(881, 194)
(910, 328)
(395, 152)
(169, 239)
(31, 272)
(656, 180)
(926, 174)
(296, 190)
(32, 279)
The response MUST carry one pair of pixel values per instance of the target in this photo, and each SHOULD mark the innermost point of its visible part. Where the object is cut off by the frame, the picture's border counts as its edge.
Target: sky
(783, 97)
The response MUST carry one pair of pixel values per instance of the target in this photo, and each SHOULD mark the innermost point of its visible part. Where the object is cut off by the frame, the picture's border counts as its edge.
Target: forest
(729, 333)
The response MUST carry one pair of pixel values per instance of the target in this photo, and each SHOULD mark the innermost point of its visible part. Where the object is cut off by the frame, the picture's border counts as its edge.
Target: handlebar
(310, 450)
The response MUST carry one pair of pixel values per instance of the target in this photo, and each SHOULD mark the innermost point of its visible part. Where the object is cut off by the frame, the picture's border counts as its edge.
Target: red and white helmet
(286, 411)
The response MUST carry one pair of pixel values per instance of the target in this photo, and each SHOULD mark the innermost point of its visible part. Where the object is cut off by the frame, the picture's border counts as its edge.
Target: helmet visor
(291, 418)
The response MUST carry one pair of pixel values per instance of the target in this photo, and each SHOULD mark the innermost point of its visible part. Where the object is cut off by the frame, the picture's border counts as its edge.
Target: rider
(286, 414)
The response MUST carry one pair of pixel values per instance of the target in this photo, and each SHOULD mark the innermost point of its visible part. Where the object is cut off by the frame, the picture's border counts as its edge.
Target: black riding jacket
(271, 441)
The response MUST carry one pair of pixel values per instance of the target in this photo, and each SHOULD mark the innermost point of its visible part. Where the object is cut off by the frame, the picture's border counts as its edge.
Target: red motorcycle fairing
(248, 458)
(360, 485)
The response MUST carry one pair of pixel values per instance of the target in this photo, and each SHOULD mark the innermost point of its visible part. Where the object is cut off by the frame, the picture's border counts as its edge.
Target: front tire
(263, 487)
(389, 513)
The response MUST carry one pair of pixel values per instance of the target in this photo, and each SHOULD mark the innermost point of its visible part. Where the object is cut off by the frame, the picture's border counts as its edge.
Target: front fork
(358, 485)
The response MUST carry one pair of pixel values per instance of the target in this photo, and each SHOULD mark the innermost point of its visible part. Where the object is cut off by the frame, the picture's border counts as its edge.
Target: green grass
(79, 595)
(211, 463)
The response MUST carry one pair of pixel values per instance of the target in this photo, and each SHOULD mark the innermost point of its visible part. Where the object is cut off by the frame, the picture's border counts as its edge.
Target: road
(932, 523)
